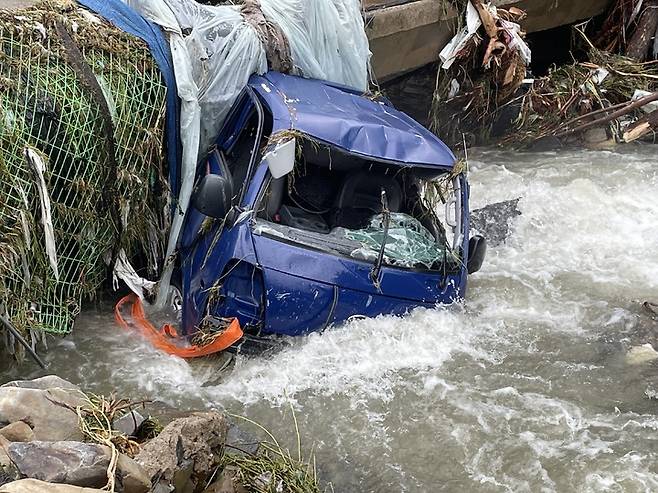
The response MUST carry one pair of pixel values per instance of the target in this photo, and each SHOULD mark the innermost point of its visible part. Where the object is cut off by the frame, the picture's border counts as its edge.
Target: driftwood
(612, 116)
(642, 39)
(644, 126)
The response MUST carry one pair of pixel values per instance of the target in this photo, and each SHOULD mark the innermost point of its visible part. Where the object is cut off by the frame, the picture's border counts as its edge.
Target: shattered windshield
(338, 207)
(408, 243)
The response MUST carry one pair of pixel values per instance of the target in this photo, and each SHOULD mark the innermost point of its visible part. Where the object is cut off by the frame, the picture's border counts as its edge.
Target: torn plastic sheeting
(647, 108)
(473, 22)
(39, 166)
(517, 43)
(124, 271)
(214, 61)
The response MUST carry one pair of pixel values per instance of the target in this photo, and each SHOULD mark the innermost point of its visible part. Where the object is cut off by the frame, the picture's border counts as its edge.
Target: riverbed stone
(36, 486)
(50, 412)
(76, 463)
(129, 423)
(4, 458)
(43, 383)
(132, 477)
(186, 451)
(227, 482)
(19, 431)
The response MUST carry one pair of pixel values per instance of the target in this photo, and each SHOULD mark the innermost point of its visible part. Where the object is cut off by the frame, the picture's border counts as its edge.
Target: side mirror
(212, 196)
(477, 250)
(281, 159)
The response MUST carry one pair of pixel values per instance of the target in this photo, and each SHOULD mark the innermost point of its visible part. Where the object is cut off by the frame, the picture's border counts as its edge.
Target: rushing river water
(522, 388)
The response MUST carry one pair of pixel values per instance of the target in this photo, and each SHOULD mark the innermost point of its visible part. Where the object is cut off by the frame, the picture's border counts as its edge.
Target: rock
(4, 477)
(186, 451)
(18, 432)
(76, 463)
(80, 464)
(49, 411)
(641, 354)
(4, 458)
(595, 135)
(43, 383)
(129, 423)
(493, 220)
(241, 442)
(35, 486)
(131, 476)
(228, 482)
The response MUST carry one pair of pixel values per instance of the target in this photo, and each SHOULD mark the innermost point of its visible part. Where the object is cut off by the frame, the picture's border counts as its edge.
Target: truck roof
(346, 119)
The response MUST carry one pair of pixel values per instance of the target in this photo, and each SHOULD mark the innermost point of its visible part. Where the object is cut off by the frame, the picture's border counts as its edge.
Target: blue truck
(344, 226)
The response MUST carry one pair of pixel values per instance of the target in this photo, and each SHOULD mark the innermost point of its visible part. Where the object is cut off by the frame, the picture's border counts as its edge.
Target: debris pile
(606, 98)
(82, 109)
(481, 68)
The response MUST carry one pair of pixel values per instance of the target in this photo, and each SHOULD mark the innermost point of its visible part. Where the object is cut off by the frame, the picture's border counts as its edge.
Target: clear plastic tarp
(215, 49)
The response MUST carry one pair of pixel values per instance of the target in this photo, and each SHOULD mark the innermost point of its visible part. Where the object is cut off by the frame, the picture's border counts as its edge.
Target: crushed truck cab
(306, 182)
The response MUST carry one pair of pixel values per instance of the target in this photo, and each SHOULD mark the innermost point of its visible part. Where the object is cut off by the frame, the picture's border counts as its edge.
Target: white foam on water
(514, 391)
(363, 358)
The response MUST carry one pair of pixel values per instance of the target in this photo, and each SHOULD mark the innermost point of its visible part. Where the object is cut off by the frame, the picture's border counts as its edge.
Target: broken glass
(408, 243)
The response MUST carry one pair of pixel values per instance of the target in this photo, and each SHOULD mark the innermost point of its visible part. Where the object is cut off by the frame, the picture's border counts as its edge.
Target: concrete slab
(408, 34)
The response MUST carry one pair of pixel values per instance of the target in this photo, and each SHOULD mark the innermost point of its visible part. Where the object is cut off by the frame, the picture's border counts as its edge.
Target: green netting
(100, 189)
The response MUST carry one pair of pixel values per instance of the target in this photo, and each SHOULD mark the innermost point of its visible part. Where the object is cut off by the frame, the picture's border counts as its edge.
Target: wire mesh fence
(89, 102)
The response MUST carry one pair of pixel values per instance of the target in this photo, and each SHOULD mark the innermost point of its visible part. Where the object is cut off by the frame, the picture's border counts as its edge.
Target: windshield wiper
(386, 218)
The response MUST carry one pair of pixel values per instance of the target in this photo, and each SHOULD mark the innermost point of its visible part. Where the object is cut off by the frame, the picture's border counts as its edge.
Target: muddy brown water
(523, 387)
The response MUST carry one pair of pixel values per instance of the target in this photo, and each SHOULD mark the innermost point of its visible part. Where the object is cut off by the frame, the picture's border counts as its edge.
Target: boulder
(129, 423)
(36, 486)
(18, 432)
(131, 477)
(186, 451)
(76, 463)
(50, 411)
(80, 464)
(228, 482)
(4, 458)
(43, 383)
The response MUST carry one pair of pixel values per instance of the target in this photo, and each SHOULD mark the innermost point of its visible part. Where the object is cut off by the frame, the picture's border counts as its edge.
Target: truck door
(216, 250)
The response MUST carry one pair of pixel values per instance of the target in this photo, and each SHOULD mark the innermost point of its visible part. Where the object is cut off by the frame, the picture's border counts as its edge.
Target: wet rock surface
(36, 486)
(494, 221)
(49, 410)
(184, 454)
(80, 464)
(129, 423)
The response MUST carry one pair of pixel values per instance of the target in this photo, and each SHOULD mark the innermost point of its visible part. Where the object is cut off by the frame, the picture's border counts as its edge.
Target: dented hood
(349, 121)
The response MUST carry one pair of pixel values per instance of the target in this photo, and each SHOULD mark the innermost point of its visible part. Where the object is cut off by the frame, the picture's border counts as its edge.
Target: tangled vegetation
(82, 108)
(502, 102)
(273, 469)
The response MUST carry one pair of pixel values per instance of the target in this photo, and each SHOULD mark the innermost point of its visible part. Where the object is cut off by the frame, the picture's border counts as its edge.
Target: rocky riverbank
(56, 439)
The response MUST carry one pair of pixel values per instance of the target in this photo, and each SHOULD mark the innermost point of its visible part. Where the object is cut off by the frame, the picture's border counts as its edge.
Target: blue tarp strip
(126, 19)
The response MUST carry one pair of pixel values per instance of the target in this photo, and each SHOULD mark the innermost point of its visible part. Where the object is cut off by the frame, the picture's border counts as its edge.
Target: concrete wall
(405, 35)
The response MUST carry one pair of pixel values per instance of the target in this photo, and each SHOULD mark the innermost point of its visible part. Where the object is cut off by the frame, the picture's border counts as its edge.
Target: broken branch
(613, 116)
(642, 127)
